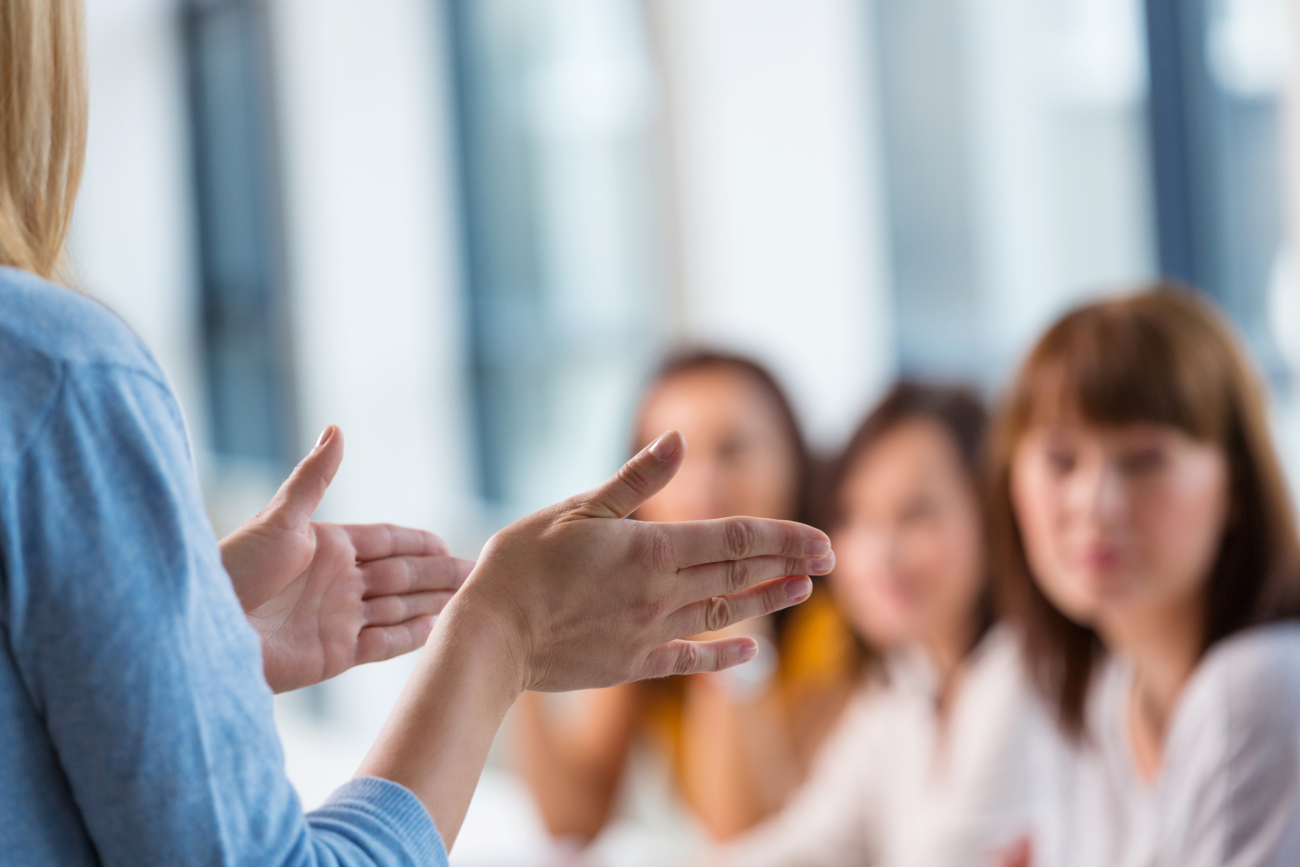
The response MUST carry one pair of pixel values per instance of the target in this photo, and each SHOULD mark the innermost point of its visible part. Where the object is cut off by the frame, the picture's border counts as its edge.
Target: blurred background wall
(465, 230)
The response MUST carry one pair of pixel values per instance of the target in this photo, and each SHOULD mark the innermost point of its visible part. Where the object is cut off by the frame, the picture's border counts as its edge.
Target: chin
(1107, 588)
(896, 632)
(881, 633)
(1101, 599)
(1080, 599)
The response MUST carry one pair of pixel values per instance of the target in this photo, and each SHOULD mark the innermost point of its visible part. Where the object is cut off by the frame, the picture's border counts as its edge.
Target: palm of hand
(327, 597)
(314, 627)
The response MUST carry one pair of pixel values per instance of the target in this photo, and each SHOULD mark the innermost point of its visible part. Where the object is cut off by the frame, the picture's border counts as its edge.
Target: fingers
(731, 576)
(720, 612)
(695, 657)
(378, 643)
(395, 575)
(696, 542)
(1018, 854)
(392, 610)
(301, 493)
(638, 480)
(377, 541)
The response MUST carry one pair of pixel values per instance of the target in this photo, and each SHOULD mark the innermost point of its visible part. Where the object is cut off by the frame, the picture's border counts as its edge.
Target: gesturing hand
(573, 597)
(584, 599)
(326, 597)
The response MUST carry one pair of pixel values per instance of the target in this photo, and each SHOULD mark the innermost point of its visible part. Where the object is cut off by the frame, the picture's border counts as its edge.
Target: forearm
(574, 792)
(436, 740)
(737, 755)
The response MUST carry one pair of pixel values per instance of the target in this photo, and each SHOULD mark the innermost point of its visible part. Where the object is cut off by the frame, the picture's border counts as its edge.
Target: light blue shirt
(135, 725)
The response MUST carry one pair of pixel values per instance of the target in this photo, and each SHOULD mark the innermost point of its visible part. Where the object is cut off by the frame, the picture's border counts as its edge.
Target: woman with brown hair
(136, 723)
(925, 769)
(1145, 543)
(730, 748)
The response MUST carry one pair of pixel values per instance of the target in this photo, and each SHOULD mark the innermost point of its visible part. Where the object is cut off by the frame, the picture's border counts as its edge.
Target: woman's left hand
(326, 597)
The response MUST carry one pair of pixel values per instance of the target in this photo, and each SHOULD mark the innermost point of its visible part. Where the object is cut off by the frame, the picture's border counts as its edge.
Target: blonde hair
(43, 119)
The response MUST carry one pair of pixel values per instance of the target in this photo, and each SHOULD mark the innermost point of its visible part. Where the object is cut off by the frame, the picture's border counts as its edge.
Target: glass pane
(1016, 169)
(1246, 58)
(247, 356)
(558, 110)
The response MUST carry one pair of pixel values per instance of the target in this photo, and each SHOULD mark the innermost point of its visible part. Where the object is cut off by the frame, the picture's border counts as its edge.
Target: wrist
(438, 736)
(487, 643)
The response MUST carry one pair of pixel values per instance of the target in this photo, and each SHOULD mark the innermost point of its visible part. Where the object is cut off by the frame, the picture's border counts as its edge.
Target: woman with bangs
(926, 769)
(1145, 543)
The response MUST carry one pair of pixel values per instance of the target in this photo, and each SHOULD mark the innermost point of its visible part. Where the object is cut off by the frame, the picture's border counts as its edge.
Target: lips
(897, 591)
(1101, 558)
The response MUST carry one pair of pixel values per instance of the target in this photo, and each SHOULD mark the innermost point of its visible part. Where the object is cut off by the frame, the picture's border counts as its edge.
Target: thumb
(639, 479)
(301, 493)
(1018, 854)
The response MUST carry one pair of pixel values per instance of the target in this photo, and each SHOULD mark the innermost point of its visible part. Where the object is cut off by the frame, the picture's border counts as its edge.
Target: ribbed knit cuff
(380, 809)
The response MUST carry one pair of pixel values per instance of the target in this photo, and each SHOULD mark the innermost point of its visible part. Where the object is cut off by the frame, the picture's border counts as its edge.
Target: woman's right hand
(585, 599)
(573, 597)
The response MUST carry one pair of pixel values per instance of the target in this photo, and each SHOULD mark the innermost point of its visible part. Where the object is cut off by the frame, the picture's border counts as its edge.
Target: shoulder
(53, 339)
(1255, 675)
(57, 323)
(1234, 751)
(1243, 703)
(995, 677)
(1264, 660)
(999, 655)
(994, 716)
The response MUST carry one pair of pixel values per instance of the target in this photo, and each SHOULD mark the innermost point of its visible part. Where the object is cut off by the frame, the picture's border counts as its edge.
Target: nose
(1101, 494)
(871, 548)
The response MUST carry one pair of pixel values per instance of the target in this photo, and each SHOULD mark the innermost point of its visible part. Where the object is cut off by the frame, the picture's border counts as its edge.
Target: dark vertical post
(1173, 166)
(1216, 166)
(459, 33)
(247, 346)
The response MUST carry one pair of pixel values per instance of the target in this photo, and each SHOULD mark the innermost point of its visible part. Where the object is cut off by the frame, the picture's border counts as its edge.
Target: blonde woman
(135, 721)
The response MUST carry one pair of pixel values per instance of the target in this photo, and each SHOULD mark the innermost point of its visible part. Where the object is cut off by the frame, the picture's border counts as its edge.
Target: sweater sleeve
(131, 646)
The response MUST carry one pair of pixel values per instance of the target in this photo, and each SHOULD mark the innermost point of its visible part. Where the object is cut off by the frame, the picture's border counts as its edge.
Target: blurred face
(910, 552)
(1119, 523)
(739, 460)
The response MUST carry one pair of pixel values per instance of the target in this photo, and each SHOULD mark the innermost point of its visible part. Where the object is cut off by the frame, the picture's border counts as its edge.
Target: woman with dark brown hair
(714, 753)
(1145, 542)
(926, 768)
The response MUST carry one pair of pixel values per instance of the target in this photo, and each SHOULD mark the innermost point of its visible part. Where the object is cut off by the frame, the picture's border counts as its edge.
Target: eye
(918, 511)
(1143, 460)
(1060, 460)
(732, 448)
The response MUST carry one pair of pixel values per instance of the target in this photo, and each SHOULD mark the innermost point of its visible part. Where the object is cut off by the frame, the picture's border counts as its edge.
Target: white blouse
(1229, 787)
(890, 788)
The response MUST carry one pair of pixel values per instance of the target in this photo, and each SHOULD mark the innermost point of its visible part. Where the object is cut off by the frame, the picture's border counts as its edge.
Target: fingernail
(665, 447)
(748, 652)
(818, 548)
(324, 435)
(798, 590)
(823, 564)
